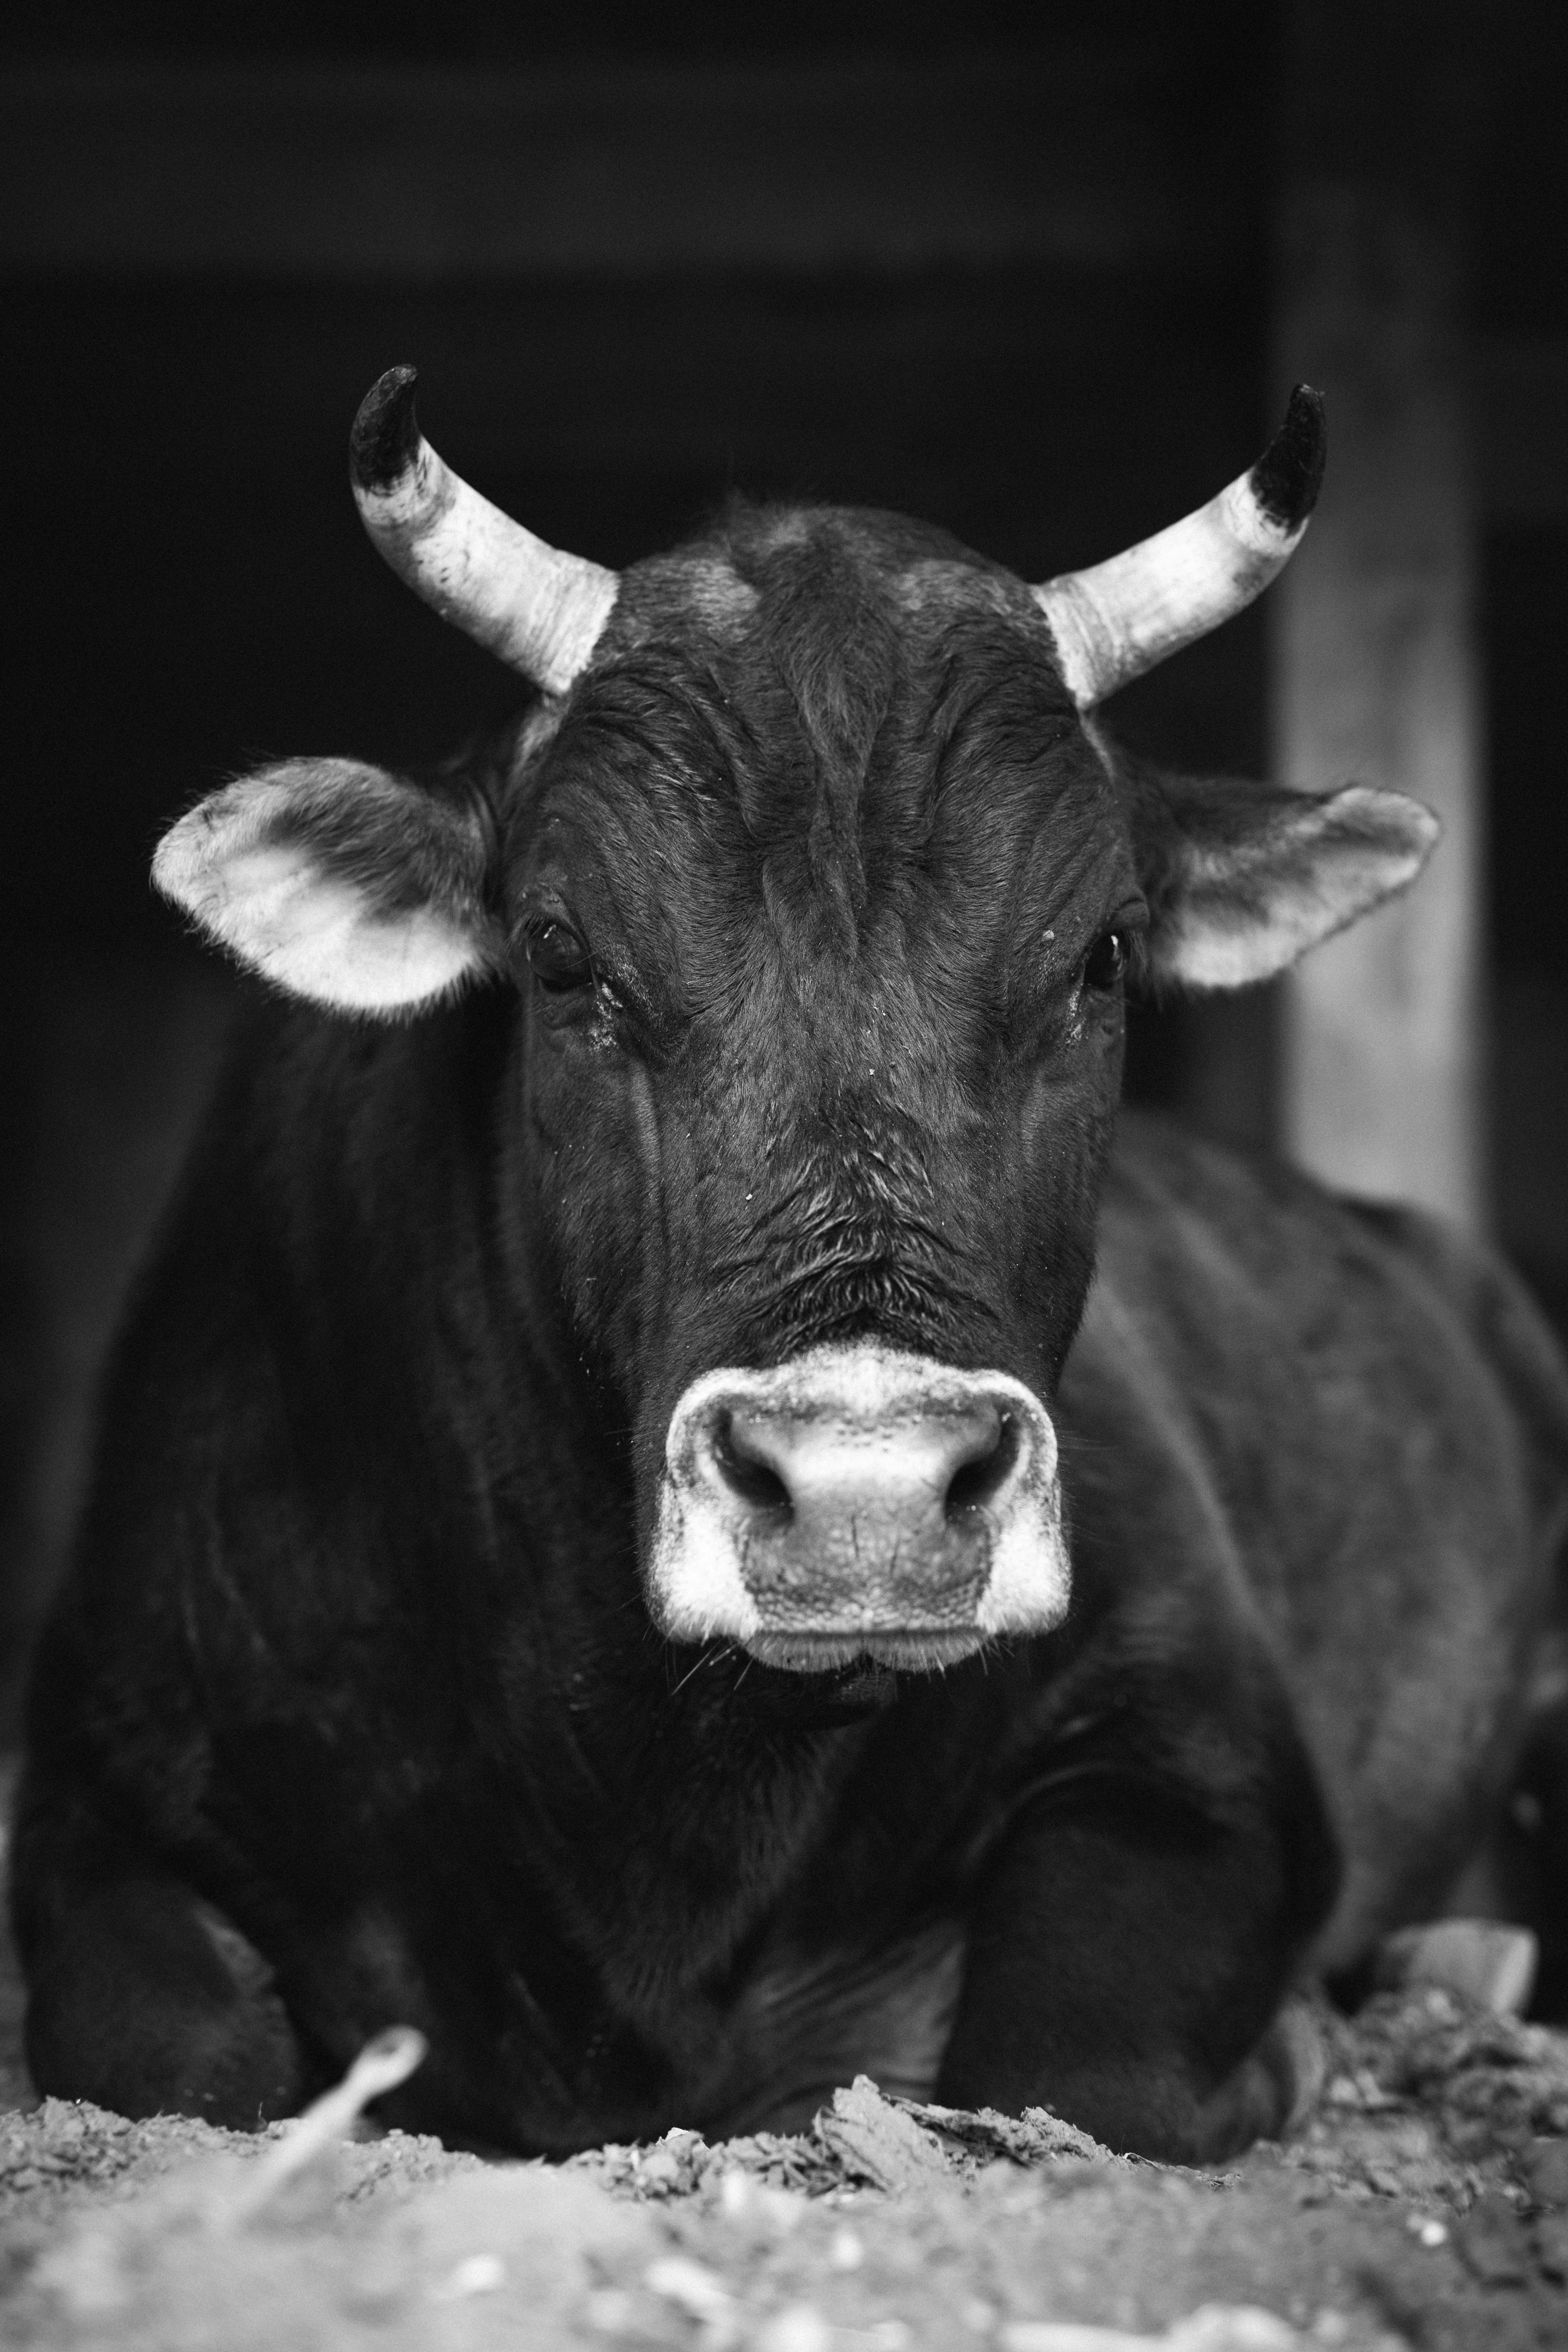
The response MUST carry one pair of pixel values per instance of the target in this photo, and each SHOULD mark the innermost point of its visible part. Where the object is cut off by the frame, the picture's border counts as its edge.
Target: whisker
(703, 1658)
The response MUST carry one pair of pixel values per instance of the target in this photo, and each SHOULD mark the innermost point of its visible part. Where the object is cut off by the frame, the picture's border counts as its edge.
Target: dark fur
(352, 1710)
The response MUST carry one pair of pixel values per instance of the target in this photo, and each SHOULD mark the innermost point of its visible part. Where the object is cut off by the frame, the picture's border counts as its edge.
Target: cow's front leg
(1126, 1968)
(147, 2000)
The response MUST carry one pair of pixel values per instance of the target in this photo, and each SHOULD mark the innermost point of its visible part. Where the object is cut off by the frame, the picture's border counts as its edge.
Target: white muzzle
(858, 1502)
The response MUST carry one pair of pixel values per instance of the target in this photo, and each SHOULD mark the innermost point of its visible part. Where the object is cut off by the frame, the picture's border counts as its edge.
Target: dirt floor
(1423, 2202)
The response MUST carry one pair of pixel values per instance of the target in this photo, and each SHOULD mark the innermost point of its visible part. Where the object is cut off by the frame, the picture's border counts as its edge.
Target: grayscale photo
(784, 1293)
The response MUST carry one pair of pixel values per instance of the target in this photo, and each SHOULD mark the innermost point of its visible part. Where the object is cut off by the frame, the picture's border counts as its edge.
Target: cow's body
(563, 1440)
(402, 1721)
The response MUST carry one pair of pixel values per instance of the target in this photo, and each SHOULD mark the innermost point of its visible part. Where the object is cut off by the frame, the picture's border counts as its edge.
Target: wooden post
(1375, 672)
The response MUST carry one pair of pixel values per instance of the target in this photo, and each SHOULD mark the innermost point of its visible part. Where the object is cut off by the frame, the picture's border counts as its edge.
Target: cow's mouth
(909, 1650)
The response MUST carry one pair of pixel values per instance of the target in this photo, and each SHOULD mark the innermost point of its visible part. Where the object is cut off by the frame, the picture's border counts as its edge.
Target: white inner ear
(313, 934)
(1247, 910)
(316, 934)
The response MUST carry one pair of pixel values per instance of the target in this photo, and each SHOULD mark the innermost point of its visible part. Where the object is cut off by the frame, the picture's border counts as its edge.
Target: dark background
(187, 588)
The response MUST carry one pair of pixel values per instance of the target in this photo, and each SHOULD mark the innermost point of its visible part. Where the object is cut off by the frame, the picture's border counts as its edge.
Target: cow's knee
(144, 1999)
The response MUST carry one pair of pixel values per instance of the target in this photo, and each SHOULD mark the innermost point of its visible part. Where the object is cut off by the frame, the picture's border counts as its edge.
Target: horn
(538, 610)
(1119, 618)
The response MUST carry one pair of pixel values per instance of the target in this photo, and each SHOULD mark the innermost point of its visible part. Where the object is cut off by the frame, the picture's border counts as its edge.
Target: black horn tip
(385, 437)
(1288, 477)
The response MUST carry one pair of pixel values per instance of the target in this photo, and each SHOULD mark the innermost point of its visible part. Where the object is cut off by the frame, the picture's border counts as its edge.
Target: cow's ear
(340, 882)
(1243, 878)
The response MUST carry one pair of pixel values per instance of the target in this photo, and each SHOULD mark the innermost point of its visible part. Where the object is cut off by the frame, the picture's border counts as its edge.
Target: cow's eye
(1106, 962)
(557, 957)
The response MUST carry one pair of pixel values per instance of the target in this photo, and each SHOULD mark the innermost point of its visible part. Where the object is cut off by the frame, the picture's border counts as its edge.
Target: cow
(682, 1506)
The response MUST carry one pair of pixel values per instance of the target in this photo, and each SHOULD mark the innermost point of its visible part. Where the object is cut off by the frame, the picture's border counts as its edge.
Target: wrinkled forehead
(824, 745)
(826, 667)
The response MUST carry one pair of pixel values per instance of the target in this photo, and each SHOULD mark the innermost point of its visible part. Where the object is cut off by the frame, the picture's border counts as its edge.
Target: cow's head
(820, 889)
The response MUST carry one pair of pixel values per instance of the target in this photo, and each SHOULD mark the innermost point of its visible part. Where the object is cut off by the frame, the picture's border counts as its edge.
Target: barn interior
(1040, 273)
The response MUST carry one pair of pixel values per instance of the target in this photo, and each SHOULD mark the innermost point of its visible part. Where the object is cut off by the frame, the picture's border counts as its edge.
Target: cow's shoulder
(1344, 1428)
(1236, 1268)
(1354, 1416)
(1477, 1285)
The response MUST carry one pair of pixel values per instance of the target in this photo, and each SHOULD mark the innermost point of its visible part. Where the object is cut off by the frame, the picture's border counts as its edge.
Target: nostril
(990, 1464)
(746, 1472)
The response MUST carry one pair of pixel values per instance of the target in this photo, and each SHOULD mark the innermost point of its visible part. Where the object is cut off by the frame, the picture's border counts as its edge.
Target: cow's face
(819, 898)
(821, 901)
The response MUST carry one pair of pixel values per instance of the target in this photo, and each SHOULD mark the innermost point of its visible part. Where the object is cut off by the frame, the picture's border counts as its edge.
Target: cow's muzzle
(855, 1503)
